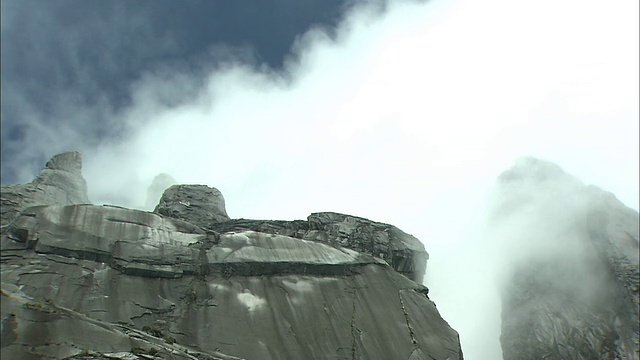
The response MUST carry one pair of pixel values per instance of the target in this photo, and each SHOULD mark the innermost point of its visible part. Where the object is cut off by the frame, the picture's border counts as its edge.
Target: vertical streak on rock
(353, 327)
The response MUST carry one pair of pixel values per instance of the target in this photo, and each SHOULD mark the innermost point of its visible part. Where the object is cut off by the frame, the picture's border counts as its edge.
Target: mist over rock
(60, 182)
(570, 274)
(160, 183)
(186, 282)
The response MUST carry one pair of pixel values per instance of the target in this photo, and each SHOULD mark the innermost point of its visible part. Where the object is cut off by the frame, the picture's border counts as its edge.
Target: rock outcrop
(59, 183)
(186, 282)
(571, 289)
(199, 204)
(403, 252)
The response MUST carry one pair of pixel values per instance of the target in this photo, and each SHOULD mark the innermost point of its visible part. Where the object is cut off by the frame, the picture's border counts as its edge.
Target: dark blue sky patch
(71, 54)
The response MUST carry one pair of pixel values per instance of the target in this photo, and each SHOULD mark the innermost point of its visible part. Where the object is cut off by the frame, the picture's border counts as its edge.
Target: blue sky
(68, 54)
(403, 112)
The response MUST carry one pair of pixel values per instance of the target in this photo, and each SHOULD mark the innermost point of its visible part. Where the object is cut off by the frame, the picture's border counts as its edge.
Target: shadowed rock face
(87, 281)
(572, 292)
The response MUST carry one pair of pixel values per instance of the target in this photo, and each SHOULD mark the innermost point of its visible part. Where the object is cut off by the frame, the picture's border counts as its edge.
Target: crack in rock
(406, 316)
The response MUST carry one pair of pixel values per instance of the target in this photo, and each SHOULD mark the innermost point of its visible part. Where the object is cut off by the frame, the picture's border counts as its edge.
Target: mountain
(83, 281)
(59, 183)
(570, 264)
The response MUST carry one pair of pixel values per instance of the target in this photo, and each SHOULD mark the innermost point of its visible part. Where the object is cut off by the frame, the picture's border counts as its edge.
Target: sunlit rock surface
(571, 284)
(87, 281)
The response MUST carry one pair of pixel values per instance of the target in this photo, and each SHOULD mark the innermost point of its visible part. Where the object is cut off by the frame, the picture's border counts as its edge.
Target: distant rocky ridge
(571, 291)
(82, 281)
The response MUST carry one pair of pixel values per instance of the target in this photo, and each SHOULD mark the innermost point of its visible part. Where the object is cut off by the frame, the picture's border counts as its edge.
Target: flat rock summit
(84, 281)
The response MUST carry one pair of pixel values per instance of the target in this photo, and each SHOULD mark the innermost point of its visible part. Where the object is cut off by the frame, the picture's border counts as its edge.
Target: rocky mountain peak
(199, 204)
(570, 269)
(533, 170)
(68, 161)
(60, 182)
(187, 282)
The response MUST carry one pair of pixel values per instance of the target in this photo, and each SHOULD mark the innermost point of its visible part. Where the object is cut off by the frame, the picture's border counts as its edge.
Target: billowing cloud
(69, 68)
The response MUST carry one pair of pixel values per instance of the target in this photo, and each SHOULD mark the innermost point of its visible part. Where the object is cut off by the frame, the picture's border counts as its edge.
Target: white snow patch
(251, 301)
(299, 285)
(214, 287)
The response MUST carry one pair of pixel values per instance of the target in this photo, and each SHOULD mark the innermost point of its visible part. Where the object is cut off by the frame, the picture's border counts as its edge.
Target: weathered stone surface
(37, 329)
(87, 281)
(403, 252)
(375, 314)
(572, 290)
(199, 204)
(60, 183)
(146, 244)
(247, 294)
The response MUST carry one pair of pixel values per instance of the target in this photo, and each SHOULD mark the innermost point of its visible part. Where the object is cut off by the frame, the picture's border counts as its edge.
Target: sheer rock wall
(87, 281)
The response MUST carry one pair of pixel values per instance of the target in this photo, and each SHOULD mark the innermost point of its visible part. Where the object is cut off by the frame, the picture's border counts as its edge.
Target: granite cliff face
(187, 282)
(571, 284)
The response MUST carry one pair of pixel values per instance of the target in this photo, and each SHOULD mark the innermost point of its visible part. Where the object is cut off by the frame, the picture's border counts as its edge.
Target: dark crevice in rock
(227, 270)
(125, 221)
(101, 257)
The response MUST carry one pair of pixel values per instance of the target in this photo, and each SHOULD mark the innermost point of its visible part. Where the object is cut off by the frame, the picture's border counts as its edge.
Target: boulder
(199, 204)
